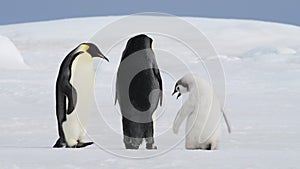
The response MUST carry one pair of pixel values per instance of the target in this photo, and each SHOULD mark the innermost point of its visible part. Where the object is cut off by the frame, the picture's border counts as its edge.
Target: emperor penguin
(138, 91)
(75, 94)
(203, 112)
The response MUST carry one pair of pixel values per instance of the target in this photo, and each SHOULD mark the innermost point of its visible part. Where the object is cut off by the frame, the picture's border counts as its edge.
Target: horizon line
(145, 14)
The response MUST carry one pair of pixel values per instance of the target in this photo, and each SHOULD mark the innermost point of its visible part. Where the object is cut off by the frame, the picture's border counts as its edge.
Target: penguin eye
(177, 88)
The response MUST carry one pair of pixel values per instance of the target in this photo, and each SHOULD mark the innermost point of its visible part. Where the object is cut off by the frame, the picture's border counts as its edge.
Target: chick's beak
(102, 56)
(179, 94)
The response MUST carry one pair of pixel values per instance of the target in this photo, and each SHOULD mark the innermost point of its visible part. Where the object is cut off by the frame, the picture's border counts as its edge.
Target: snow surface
(262, 67)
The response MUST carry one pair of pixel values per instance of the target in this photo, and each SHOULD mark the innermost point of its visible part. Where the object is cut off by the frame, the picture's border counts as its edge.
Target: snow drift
(10, 56)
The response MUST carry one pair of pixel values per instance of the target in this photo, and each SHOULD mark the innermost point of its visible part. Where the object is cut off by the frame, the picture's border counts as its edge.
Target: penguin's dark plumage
(138, 91)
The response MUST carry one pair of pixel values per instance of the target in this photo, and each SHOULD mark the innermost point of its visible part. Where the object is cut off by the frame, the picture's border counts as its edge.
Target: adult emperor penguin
(203, 112)
(75, 94)
(138, 91)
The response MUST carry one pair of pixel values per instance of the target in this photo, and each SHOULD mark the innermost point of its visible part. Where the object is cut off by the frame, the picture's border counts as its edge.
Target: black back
(139, 55)
(139, 60)
(138, 91)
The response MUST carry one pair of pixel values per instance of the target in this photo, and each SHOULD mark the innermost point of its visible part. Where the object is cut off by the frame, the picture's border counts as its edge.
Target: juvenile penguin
(138, 91)
(75, 94)
(203, 112)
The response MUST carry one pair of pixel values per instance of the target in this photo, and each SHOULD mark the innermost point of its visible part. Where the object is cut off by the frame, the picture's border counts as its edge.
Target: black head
(137, 43)
(94, 51)
(141, 41)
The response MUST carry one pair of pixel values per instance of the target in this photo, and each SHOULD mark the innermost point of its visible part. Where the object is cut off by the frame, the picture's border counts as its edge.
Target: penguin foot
(151, 147)
(130, 146)
(132, 143)
(209, 147)
(81, 145)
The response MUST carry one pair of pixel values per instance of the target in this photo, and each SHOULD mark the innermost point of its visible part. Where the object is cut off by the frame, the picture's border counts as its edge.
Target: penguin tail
(226, 121)
(59, 144)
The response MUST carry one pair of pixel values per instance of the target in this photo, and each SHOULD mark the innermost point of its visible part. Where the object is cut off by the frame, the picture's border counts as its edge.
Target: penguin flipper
(182, 114)
(68, 90)
(71, 94)
(158, 77)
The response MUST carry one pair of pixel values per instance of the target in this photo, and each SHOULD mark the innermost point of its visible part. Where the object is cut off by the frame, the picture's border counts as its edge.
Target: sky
(282, 11)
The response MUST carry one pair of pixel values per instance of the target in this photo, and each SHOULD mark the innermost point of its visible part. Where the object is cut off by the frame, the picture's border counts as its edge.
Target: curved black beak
(102, 56)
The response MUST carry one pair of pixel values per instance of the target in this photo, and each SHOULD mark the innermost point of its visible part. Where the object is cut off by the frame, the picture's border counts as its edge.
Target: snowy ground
(262, 67)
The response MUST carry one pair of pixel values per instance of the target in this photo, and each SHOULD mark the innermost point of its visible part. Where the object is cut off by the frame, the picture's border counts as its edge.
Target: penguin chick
(203, 111)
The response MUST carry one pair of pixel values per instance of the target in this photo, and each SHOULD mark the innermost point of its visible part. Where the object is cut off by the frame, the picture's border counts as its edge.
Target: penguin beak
(102, 56)
(179, 94)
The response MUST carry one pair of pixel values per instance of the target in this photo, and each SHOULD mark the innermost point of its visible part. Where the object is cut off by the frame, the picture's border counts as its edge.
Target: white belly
(82, 79)
(203, 128)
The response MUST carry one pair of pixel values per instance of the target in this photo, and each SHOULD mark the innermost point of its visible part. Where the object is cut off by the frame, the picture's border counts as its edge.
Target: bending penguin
(75, 94)
(138, 91)
(203, 112)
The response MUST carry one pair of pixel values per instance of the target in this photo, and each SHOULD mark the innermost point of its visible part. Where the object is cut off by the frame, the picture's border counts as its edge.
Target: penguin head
(184, 84)
(93, 50)
(181, 88)
(137, 43)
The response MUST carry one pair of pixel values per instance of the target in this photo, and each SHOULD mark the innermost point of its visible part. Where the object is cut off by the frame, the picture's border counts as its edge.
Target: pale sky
(283, 11)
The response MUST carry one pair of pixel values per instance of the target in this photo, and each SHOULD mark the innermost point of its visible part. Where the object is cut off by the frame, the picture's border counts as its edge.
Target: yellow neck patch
(83, 47)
